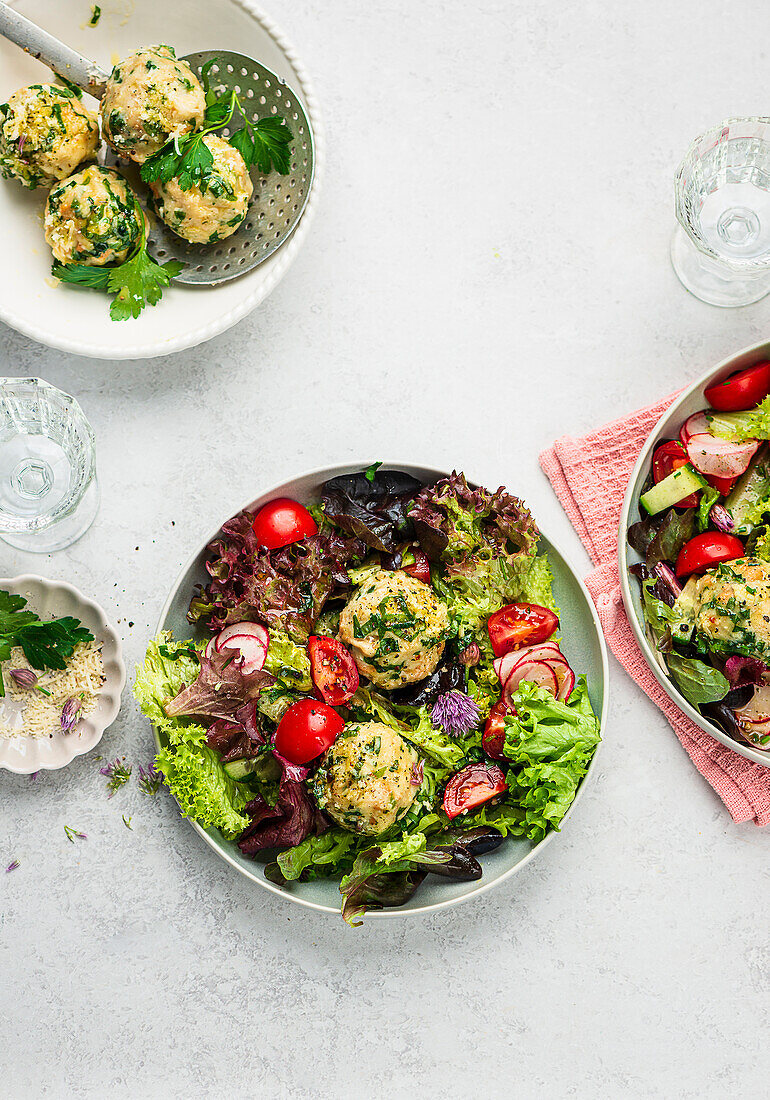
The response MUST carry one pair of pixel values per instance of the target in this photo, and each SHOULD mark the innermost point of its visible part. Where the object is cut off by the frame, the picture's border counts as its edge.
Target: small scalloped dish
(53, 600)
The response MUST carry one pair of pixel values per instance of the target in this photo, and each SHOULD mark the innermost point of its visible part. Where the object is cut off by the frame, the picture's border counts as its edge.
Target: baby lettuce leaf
(284, 824)
(550, 745)
(195, 776)
(220, 689)
(697, 681)
(372, 506)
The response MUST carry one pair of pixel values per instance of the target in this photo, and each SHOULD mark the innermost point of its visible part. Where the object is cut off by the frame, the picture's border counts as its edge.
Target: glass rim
(74, 496)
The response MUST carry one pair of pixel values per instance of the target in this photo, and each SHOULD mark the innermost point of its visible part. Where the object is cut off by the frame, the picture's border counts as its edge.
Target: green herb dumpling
(214, 208)
(366, 781)
(395, 627)
(150, 98)
(92, 218)
(45, 133)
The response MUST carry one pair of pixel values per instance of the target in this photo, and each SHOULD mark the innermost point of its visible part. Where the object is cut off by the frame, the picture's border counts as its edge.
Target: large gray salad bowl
(582, 642)
(692, 400)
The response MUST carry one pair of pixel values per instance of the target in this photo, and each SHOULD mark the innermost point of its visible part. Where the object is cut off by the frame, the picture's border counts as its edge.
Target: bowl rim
(323, 473)
(725, 367)
(116, 691)
(285, 255)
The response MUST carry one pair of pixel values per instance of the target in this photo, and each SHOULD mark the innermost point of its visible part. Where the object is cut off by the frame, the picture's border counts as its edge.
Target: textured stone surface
(488, 270)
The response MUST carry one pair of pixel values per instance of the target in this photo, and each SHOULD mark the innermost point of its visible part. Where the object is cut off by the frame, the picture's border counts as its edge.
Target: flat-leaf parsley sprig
(188, 159)
(136, 283)
(44, 644)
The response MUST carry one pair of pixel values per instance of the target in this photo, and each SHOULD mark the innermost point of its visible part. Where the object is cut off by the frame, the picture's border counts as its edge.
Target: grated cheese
(27, 712)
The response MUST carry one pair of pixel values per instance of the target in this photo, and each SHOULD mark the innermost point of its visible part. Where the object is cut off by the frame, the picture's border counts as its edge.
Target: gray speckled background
(488, 270)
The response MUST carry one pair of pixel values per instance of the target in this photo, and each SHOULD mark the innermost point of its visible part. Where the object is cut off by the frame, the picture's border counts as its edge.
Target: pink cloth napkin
(589, 477)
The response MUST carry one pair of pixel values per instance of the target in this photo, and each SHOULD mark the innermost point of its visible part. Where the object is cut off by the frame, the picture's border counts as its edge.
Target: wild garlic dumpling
(92, 218)
(365, 781)
(395, 627)
(45, 133)
(214, 209)
(150, 98)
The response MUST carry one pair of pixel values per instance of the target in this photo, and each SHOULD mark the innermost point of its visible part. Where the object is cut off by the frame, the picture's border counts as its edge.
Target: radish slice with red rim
(255, 630)
(566, 678)
(537, 672)
(697, 424)
(547, 651)
(720, 457)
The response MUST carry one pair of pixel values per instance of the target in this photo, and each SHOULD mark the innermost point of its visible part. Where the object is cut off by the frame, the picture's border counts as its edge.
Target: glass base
(62, 534)
(711, 281)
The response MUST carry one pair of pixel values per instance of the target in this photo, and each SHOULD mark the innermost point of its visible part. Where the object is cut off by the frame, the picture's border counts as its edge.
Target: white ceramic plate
(691, 401)
(78, 321)
(54, 600)
(583, 643)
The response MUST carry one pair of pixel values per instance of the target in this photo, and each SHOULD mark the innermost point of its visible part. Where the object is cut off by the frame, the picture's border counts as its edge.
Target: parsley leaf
(45, 644)
(265, 143)
(137, 282)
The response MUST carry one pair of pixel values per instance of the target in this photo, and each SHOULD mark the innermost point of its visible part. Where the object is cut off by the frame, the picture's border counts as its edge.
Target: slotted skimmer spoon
(278, 200)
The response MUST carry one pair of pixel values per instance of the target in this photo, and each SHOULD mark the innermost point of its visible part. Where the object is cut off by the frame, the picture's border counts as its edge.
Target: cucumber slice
(239, 769)
(672, 489)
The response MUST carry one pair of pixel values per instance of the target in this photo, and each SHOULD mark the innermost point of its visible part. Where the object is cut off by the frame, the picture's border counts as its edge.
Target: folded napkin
(589, 477)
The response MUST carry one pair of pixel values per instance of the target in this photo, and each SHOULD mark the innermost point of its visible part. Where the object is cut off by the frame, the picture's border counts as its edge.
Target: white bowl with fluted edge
(692, 400)
(76, 320)
(582, 642)
(54, 600)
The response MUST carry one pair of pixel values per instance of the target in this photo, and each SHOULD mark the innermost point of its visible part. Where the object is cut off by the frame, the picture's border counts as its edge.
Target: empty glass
(721, 252)
(49, 494)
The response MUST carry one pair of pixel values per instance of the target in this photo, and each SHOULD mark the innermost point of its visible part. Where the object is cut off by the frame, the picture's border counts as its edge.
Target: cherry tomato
(493, 738)
(520, 624)
(667, 458)
(742, 390)
(307, 729)
(333, 670)
(723, 485)
(421, 567)
(703, 551)
(282, 522)
(471, 787)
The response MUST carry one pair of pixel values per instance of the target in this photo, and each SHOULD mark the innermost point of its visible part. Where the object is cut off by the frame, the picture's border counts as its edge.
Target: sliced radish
(255, 630)
(566, 678)
(503, 666)
(719, 457)
(537, 672)
(697, 424)
(211, 647)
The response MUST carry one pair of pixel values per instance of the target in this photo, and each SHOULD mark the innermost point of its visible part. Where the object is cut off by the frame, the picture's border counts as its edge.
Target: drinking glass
(721, 248)
(49, 494)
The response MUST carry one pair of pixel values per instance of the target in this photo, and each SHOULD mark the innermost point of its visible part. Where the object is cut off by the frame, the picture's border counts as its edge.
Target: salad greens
(217, 716)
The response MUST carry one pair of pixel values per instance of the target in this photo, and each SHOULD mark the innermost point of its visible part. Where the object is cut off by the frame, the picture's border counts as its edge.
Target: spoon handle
(65, 62)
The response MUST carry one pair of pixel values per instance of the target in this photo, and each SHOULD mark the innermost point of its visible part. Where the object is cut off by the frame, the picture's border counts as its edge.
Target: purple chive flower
(12, 866)
(22, 140)
(24, 677)
(150, 779)
(34, 775)
(470, 656)
(70, 713)
(117, 774)
(455, 713)
(72, 833)
(418, 770)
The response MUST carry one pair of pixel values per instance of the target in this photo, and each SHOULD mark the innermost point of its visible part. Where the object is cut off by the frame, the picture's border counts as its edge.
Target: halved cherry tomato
(667, 458)
(703, 551)
(471, 787)
(421, 567)
(742, 390)
(493, 737)
(520, 624)
(281, 522)
(307, 729)
(723, 485)
(333, 670)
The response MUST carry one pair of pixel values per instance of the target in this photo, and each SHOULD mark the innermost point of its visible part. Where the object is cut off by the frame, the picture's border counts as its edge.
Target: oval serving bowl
(54, 600)
(583, 643)
(692, 400)
(79, 320)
